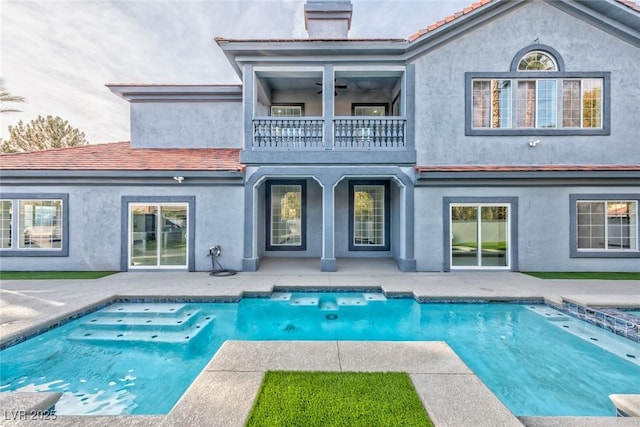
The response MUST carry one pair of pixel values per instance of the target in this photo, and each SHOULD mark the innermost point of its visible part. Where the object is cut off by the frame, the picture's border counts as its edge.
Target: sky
(60, 54)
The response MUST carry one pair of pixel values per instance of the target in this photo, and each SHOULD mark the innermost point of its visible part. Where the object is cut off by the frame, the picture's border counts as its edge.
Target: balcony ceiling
(354, 84)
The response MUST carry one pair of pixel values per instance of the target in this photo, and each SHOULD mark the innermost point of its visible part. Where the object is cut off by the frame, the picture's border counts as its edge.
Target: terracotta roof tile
(448, 19)
(629, 3)
(525, 168)
(121, 156)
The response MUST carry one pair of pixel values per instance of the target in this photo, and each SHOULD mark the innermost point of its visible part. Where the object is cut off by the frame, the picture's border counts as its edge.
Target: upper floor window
(537, 97)
(369, 109)
(537, 61)
(293, 110)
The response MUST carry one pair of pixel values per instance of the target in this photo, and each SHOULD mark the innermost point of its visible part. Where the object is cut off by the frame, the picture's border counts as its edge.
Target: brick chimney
(328, 19)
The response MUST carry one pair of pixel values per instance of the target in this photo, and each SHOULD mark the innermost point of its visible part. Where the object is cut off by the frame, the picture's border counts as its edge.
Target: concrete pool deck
(38, 304)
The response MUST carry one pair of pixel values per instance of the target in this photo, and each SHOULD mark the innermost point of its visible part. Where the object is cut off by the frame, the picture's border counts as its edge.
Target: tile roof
(121, 156)
(448, 19)
(629, 3)
(526, 168)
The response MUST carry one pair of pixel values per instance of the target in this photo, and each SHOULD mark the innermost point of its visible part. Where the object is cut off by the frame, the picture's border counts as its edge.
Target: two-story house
(504, 137)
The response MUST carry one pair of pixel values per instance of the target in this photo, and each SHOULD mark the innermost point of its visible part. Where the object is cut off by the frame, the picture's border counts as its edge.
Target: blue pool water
(140, 358)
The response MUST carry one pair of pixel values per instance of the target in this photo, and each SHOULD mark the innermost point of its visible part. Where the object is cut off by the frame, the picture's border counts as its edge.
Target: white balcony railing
(291, 133)
(369, 133)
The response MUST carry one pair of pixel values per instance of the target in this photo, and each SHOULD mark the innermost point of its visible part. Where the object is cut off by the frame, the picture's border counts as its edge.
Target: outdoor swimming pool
(139, 358)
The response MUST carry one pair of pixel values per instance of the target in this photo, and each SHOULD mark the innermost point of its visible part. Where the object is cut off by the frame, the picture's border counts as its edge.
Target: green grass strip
(586, 275)
(337, 399)
(53, 275)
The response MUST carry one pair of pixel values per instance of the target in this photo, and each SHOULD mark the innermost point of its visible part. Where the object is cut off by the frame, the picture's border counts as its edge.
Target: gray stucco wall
(95, 225)
(543, 227)
(440, 91)
(186, 124)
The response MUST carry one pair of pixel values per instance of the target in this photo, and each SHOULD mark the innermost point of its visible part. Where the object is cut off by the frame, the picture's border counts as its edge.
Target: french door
(480, 235)
(158, 235)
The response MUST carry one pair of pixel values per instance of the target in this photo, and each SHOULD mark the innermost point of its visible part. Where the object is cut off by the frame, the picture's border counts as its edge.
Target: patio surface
(37, 304)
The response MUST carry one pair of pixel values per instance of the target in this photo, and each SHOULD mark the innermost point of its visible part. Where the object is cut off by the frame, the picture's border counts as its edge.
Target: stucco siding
(440, 91)
(543, 227)
(187, 125)
(95, 226)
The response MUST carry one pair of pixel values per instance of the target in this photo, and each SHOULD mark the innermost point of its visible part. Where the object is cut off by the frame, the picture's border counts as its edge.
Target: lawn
(585, 275)
(337, 399)
(52, 275)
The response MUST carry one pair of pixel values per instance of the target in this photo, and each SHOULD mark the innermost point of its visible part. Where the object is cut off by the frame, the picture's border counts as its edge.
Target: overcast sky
(59, 54)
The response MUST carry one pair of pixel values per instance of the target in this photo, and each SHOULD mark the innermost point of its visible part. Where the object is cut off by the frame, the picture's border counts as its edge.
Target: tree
(42, 134)
(6, 97)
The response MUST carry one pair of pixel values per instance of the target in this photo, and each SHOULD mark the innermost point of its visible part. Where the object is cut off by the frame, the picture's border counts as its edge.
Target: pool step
(548, 312)
(305, 301)
(143, 323)
(133, 335)
(141, 309)
(351, 301)
(621, 347)
(181, 321)
(328, 303)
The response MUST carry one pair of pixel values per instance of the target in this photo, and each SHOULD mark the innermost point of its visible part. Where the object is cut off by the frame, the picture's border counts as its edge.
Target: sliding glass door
(158, 235)
(480, 236)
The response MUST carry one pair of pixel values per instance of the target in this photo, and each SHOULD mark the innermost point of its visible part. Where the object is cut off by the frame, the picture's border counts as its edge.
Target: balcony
(327, 115)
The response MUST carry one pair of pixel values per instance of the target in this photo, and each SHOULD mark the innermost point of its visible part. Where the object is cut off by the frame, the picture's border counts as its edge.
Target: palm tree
(6, 97)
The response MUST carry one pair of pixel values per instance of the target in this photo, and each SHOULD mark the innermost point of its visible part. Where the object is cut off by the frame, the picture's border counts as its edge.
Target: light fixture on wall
(179, 179)
(533, 142)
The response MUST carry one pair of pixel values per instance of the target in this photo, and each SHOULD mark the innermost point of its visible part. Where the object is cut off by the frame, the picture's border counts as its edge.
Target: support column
(250, 261)
(248, 105)
(328, 106)
(328, 260)
(406, 261)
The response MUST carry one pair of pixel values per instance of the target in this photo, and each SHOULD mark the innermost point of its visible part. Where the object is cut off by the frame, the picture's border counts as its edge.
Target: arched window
(537, 96)
(537, 61)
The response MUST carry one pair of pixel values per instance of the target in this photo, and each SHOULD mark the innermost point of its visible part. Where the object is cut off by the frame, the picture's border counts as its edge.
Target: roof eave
(611, 16)
(158, 93)
(240, 51)
(165, 175)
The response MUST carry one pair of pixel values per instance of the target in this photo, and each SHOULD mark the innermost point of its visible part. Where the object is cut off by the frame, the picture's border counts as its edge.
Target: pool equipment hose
(214, 253)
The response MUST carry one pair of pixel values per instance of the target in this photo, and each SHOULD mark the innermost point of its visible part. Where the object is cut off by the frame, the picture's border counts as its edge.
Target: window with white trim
(286, 215)
(281, 110)
(369, 215)
(537, 60)
(33, 225)
(607, 225)
(6, 224)
(537, 97)
(536, 104)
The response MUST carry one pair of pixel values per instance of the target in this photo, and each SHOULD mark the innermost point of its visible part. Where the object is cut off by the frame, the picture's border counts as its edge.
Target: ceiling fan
(335, 86)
